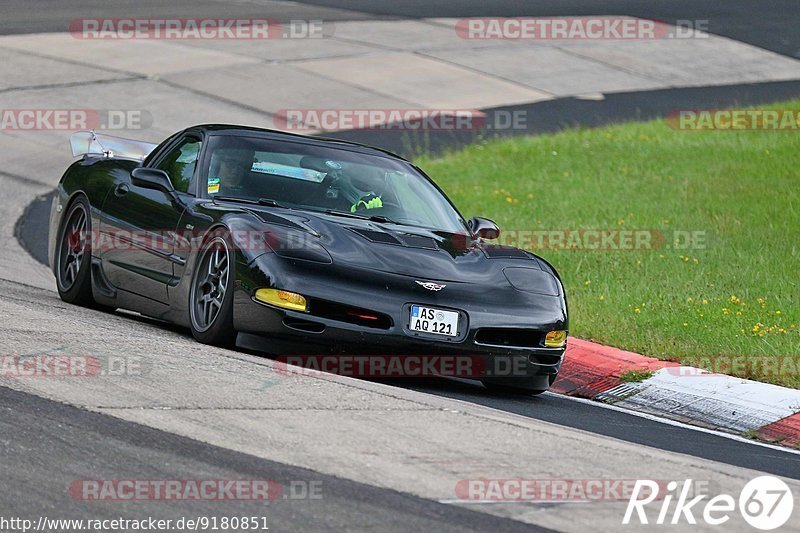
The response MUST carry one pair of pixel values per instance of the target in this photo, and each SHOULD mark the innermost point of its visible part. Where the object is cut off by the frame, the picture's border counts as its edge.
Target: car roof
(251, 131)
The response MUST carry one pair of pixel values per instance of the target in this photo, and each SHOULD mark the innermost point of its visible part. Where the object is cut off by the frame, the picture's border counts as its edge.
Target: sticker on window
(306, 174)
(213, 185)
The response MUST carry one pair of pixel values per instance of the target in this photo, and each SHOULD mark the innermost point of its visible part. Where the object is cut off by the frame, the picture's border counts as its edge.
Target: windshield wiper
(261, 201)
(373, 218)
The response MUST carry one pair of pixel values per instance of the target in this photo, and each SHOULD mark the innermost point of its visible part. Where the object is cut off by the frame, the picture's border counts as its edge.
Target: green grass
(635, 376)
(732, 305)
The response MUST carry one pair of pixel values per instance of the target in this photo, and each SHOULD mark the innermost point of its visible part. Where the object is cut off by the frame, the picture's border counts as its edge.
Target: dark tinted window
(180, 163)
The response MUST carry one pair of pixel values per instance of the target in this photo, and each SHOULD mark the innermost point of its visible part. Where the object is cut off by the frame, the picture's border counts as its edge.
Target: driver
(368, 201)
(232, 170)
(369, 184)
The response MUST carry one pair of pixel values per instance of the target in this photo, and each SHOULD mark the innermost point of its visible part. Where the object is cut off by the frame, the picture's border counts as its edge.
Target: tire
(211, 292)
(74, 255)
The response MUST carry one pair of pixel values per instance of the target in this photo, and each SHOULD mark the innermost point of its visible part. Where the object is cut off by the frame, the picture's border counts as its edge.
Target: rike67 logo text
(766, 503)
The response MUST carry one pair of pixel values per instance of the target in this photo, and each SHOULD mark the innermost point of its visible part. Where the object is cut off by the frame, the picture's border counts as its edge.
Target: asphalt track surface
(47, 444)
(49, 451)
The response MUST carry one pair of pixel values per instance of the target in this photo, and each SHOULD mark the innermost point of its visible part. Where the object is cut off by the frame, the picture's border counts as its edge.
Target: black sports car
(317, 246)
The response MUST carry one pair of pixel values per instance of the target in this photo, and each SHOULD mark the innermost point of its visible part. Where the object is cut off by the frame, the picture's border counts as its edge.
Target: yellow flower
(705, 302)
(637, 310)
(587, 282)
(602, 297)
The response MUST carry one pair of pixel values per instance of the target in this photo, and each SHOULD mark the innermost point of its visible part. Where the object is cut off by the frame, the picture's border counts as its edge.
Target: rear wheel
(211, 295)
(74, 255)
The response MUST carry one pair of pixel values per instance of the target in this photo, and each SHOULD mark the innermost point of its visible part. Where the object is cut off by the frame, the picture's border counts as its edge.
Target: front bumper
(290, 333)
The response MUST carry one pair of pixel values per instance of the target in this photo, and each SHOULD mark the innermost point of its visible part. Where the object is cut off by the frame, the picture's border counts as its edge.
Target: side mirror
(152, 178)
(483, 227)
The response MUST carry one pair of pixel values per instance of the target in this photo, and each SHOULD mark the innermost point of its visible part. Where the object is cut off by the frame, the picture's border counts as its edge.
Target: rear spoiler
(89, 143)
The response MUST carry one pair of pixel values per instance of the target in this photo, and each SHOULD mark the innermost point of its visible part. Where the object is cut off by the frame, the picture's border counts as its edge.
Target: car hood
(398, 249)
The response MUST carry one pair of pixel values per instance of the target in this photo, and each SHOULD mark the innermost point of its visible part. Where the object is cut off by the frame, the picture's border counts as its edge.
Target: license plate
(430, 320)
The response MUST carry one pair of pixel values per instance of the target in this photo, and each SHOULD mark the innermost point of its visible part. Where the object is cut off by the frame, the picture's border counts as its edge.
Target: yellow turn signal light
(555, 339)
(280, 298)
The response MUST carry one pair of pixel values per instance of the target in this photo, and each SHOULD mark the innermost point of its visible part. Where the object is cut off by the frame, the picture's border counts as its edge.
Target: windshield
(303, 176)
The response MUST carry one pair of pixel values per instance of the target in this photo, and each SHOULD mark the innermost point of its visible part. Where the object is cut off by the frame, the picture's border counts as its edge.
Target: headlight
(555, 339)
(532, 280)
(284, 299)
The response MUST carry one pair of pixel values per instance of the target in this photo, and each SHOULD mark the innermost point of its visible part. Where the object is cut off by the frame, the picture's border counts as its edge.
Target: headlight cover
(532, 280)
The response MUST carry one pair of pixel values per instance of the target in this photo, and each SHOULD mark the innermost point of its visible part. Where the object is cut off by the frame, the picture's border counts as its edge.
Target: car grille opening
(511, 337)
(351, 315)
(539, 359)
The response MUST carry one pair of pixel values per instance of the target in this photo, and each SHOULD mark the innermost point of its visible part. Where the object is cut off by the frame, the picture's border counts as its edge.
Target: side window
(180, 162)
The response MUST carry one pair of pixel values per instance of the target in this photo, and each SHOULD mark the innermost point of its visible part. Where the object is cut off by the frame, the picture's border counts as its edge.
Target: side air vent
(376, 236)
(418, 241)
(494, 251)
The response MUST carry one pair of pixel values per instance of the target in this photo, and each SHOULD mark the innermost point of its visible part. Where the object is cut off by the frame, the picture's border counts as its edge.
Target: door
(141, 224)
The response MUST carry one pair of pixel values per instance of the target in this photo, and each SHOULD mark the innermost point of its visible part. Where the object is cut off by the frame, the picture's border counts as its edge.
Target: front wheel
(211, 295)
(74, 255)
